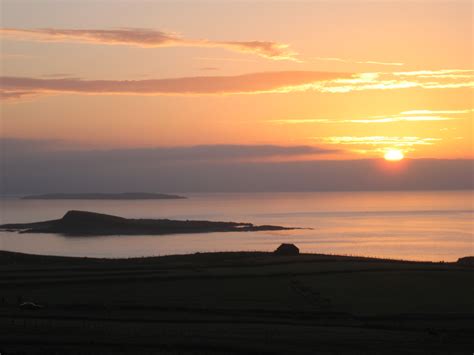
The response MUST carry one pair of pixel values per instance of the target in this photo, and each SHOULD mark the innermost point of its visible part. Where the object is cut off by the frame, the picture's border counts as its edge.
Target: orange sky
(354, 77)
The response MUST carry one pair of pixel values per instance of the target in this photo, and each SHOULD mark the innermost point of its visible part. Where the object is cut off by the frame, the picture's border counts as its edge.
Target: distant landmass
(83, 223)
(103, 196)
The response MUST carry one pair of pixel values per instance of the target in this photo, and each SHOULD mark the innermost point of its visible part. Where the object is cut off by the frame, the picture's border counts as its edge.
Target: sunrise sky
(266, 80)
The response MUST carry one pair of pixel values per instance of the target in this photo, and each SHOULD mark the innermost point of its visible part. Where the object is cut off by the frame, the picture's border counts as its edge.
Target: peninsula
(103, 196)
(83, 223)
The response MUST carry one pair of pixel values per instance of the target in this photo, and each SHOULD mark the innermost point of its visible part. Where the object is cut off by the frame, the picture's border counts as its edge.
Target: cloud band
(147, 38)
(254, 83)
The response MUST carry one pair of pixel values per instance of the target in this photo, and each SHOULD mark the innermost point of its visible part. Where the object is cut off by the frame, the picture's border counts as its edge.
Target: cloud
(380, 140)
(228, 59)
(36, 169)
(305, 120)
(380, 63)
(15, 147)
(15, 95)
(400, 80)
(270, 50)
(21, 145)
(405, 116)
(437, 73)
(254, 83)
(341, 60)
(429, 112)
(368, 120)
(379, 143)
(247, 83)
(220, 152)
(58, 75)
(401, 119)
(147, 38)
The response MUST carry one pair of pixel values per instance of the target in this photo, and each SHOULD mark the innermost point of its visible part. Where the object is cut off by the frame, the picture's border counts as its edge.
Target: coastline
(421, 226)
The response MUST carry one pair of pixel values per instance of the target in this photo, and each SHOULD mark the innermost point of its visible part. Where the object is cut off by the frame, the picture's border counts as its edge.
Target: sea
(427, 225)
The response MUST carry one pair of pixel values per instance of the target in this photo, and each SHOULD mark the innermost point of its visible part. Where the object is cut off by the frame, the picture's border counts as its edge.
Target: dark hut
(287, 249)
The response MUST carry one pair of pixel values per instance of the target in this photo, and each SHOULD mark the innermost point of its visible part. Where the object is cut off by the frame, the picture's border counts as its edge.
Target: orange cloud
(378, 144)
(405, 116)
(254, 83)
(149, 39)
(380, 140)
(239, 84)
(428, 79)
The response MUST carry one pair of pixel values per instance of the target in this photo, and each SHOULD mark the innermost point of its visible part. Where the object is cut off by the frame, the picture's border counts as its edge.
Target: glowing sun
(393, 155)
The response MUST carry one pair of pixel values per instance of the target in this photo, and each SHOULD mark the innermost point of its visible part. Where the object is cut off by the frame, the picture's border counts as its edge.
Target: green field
(226, 303)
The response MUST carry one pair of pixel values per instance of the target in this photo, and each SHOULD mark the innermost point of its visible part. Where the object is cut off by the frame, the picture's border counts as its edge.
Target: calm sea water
(406, 225)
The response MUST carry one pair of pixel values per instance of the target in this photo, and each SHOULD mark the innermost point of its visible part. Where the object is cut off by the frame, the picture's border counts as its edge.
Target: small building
(287, 249)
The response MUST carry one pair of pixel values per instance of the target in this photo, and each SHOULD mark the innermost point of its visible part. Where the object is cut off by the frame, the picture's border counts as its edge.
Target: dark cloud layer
(19, 148)
(29, 168)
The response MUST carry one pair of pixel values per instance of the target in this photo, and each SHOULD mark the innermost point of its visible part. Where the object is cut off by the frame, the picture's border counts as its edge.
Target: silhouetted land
(83, 223)
(234, 303)
(104, 196)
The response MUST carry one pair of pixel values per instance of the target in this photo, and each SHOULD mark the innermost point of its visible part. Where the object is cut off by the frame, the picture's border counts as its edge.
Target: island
(104, 196)
(84, 223)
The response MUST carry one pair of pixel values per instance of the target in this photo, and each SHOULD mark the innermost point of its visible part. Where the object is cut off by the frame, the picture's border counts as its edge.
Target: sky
(199, 88)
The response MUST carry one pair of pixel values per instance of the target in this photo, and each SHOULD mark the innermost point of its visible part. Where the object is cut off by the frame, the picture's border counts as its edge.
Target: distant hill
(103, 196)
(83, 223)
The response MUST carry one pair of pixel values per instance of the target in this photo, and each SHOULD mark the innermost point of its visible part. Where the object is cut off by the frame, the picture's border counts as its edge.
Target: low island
(104, 196)
(84, 223)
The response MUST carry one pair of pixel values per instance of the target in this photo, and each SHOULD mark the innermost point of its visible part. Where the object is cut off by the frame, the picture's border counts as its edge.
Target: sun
(393, 155)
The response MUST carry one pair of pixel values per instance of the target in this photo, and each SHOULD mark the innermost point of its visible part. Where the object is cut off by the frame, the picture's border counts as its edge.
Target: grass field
(228, 303)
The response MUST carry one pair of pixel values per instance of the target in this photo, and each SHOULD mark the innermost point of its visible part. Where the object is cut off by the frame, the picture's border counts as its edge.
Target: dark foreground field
(226, 303)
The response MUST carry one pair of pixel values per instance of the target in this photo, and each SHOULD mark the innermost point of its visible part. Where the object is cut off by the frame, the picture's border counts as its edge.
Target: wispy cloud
(400, 80)
(429, 112)
(226, 59)
(254, 83)
(401, 119)
(148, 38)
(341, 60)
(305, 120)
(379, 140)
(378, 144)
(437, 73)
(368, 120)
(238, 84)
(405, 116)
(6, 95)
